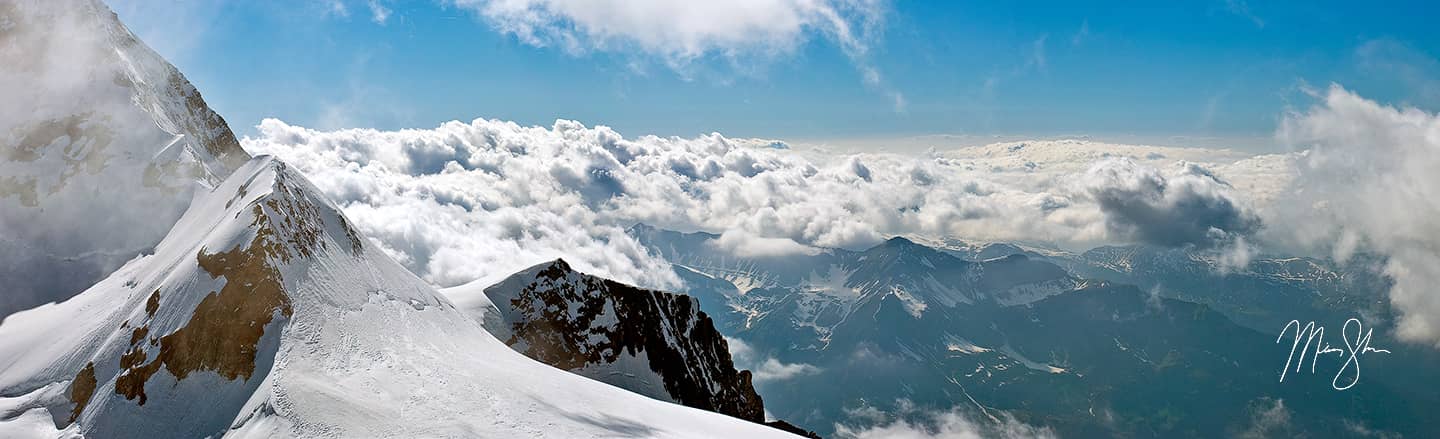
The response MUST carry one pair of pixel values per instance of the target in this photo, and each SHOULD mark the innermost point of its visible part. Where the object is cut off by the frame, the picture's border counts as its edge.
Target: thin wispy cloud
(682, 33)
(1037, 53)
(378, 12)
(1242, 9)
(1082, 34)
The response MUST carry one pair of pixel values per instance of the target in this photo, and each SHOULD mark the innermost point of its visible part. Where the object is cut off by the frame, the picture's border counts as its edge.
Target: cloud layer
(1191, 206)
(681, 32)
(469, 200)
(1368, 182)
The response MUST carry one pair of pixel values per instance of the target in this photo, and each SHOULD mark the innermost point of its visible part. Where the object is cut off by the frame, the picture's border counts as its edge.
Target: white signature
(1314, 336)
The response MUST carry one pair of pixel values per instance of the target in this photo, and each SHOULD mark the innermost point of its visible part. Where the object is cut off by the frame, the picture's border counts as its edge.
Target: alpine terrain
(100, 151)
(654, 343)
(262, 312)
(1041, 336)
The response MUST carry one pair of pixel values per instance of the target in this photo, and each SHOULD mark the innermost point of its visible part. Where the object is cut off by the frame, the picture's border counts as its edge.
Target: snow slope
(264, 314)
(101, 144)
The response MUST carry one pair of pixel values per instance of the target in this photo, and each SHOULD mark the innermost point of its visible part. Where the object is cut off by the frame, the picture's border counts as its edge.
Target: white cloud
(1368, 183)
(378, 12)
(1037, 53)
(765, 369)
(452, 222)
(466, 200)
(681, 32)
(1188, 206)
(679, 29)
(747, 245)
(336, 8)
(773, 370)
(1082, 34)
(951, 424)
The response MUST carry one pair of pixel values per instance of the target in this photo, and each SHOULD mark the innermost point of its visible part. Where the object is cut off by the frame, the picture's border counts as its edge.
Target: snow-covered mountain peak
(264, 313)
(101, 145)
(206, 308)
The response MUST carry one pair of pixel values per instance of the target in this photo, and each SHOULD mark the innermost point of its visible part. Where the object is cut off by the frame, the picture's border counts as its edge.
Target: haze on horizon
(874, 73)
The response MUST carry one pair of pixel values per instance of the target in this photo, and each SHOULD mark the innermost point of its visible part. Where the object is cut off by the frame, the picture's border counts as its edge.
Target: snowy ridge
(266, 306)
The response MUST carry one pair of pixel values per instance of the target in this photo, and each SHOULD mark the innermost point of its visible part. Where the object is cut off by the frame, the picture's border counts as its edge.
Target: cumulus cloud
(950, 424)
(464, 201)
(1190, 206)
(454, 205)
(681, 32)
(765, 369)
(1367, 182)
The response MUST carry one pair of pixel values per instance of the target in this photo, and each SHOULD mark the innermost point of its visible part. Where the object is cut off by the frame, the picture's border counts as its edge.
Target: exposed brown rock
(139, 334)
(131, 381)
(152, 304)
(82, 389)
(224, 330)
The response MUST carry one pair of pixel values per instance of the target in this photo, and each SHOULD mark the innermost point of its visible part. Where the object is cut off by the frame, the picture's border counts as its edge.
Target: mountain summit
(101, 146)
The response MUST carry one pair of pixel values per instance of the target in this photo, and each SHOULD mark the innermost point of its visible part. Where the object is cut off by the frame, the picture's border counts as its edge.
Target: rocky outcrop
(792, 428)
(651, 342)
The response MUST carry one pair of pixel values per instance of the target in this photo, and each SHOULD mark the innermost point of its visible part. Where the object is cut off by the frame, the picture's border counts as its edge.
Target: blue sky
(1220, 68)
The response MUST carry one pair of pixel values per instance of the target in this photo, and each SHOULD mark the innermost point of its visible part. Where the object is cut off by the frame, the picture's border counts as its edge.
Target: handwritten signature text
(1310, 339)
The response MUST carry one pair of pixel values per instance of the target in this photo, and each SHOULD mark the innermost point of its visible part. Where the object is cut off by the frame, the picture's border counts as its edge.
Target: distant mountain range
(1118, 341)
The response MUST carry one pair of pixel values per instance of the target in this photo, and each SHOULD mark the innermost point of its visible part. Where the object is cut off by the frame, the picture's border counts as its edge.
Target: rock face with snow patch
(654, 343)
(102, 143)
